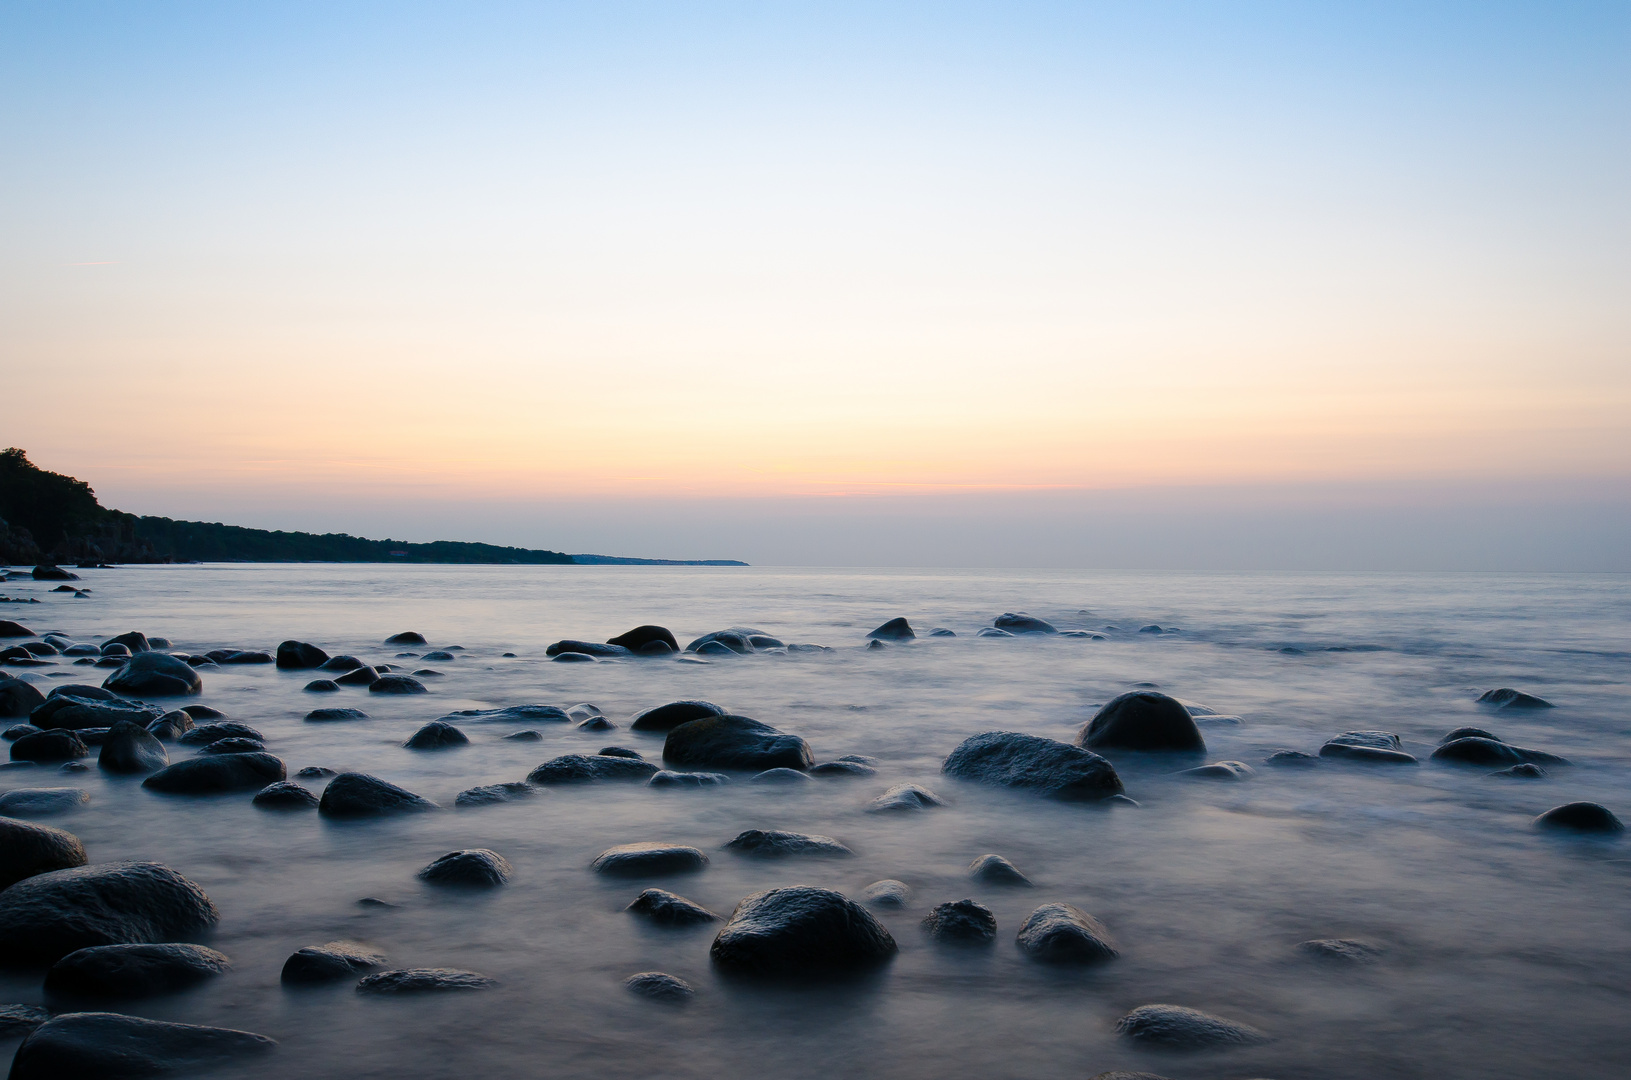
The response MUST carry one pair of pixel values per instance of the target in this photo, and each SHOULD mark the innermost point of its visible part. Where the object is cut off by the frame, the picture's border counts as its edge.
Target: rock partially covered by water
(358, 676)
(235, 745)
(18, 698)
(1185, 1029)
(285, 795)
(422, 981)
(1373, 747)
(298, 656)
(58, 744)
(513, 714)
(996, 870)
(893, 630)
(126, 971)
(42, 802)
(492, 794)
(1342, 950)
(887, 893)
(668, 717)
(27, 849)
(397, 684)
(218, 773)
(154, 674)
(352, 795)
(1580, 817)
(407, 637)
(647, 640)
(585, 768)
(905, 797)
(46, 917)
(1056, 769)
(205, 734)
(1220, 770)
(131, 748)
(842, 769)
(670, 778)
(670, 909)
(330, 963)
(1022, 624)
(649, 859)
(1282, 759)
(108, 1046)
(172, 725)
(768, 844)
(475, 867)
(1144, 720)
(779, 776)
(335, 716)
(801, 930)
(1508, 698)
(1479, 750)
(587, 648)
(961, 922)
(18, 1020)
(134, 641)
(437, 735)
(1526, 771)
(74, 707)
(1065, 934)
(659, 986)
(735, 742)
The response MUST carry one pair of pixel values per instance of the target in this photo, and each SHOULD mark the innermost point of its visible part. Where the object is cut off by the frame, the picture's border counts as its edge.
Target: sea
(1502, 950)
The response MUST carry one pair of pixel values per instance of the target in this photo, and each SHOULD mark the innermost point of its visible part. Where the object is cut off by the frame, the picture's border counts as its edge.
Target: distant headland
(49, 517)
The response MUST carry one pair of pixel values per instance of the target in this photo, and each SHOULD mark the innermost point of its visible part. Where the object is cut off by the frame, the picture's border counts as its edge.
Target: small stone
(474, 867)
(1290, 759)
(205, 734)
(894, 630)
(422, 980)
(887, 893)
(18, 1020)
(582, 768)
(1527, 771)
(285, 795)
(397, 684)
(1180, 1028)
(905, 798)
(962, 922)
(525, 736)
(659, 986)
(996, 870)
(1508, 698)
(773, 845)
(670, 909)
(1065, 934)
(330, 963)
(314, 772)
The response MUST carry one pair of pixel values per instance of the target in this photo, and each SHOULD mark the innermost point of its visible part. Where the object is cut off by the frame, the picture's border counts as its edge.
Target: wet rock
(666, 718)
(233, 746)
(360, 676)
(352, 795)
(203, 712)
(45, 917)
(204, 734)
(17, 731)
(801, 930)
(876, 645)
(1022, 624)
(1155, 628)
(620, 751)
(316, 964)
(573, 658)
(491, 794)
(397, 684)
(172, 725)
(996, 870)
(407, 637)
(1342, 950)
(734, 742)
(422, 980)
(649, 859)
(239, 656)
(27, 849)
(127, 971)
(92, 737)
(669, 909)
(14, 629)
(514, 714)
(1220, 770)
(321, 686)
(114, 650)
(992, 631)
(299, 656)
(440, 656)
(74, 707)
(659, 986)
(216, 774)
(1526, 771)
(842, 769)
(1508, 698)
(1143, 720)
(285, 795)
(737, 639)
(135, 641)
(1290, 759)
(42, 802)
(893, 630)
(767, 844)
(961, 922)
(18, 698)
(341, 664)
(1065, 934)
(314, 772)
(333, 716)
(887, 893)
(597, 723)
(581, 768)
(669, 778)
(587, 648)
(437, 735)
(779, 776)
(1476, 750)
(108, 1046)
(528, 735)
(1185, 1029)
(18, 1020)
(640, 637)
(1055, 769)
(1373, 747)
(905, 797)
(1580, 817)
(130, 748)
(941, 631)
(1468, 733)
(477, 867)
(55, 745)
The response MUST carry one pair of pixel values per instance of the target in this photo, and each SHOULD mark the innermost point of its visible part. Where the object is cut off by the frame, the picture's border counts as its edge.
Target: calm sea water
(1508, 953)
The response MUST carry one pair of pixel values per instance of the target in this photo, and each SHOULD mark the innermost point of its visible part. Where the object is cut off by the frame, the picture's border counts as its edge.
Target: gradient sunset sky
(802, 282)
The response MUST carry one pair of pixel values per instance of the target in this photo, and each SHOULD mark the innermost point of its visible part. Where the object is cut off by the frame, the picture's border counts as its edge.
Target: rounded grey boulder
(218, 773)
(285, 795)
(767, 844)
(437, 735)
(298, 656)
(397, 684)
(801, 930)
(1022, 624)
(352, 794)
(659, 986)
(204, 734)
(108, 1046)
(905, 797)
(330, 963)
(154, 674)
(46, 917)
(642, 638)
(42, 802)
(335, 716)
(1581, 817)
(131, 748)
(1479, 750)
(1065, 934)
(649, 859)
(1143, 720)
(669, 778)
(1220, 770)
(887, 893)
(1369, 747)
(57, 744)
(961, 922)
(1187, 1029)
(1055, 769)
(581, 768)
(996, 870)
(133, 970)
(894, 630)
(27, 849)
(666, 718)
(492, 794)
(670, 909)
(474, 866)
(735, 742)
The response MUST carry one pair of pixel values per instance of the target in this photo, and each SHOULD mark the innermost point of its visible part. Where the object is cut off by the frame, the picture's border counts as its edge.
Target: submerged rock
(735, 742)
(1065, 934)
(437, 735)
(172, 725)
(46, 917)
(42, 802)
(1374, 747)
(27, 849)
(18, 1020)
(133, 641)
(298, 655)
(1527, 771)
(491, 794)
(1022, 624)
(666, 718)
(285, 795)
(584, 768)
(1343, 950)
(991, 631)
(620, 751)
(131, 748)
(529, 735)
(513, 714)
(334, 716)
(234, 745)
(1188, 1029)
(422, 980)
(842, 769)
(358, 676)
(18, 697)
(218, 773)
(353, 794)
(108, 1046)
(996, 870)
(659, 986)
(905, 797)
(1508, 698)
(779, 776)
(330, 963)
(1143, 720)
(587, 648)
(407, 637)
(893, 630)
(961, 922)
(670, 909)
(767, 844)
(887, 893)
(1055, 769)
(474, 866)
(58, 744)
(397, 684)
(1220, 770)
(596, 723)
(1582, 817)
(74, 707)
(205, 734)
(670, 778)
(649, 859)
(1290, 759)
(641, 638)
(801, 930)
(133, 970)
(1478, 750)
(154, 674)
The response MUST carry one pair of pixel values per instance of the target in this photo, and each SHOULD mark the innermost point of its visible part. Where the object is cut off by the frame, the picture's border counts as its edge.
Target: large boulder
(893, 630)
(648, 859)
(587, 648)
(336, 715)
(134, 640)
(351, 795)
(734, 742)
(666, 718)
(46, 746)
(407, 637)
(137, 970)
(154, 674)
(1022, 624)
(218, 773)
(1065, 934)
(75, 707)
(1142, 720)
(298, 656)
(647, 640)
(583, 768)
(1187, 1029)
(108, 1046)
(12, 629)
(995, 870)
(27, 849)
(49, 572)
(46, 917)
(357, 676)
(330, 963)
(219, 731)
(131, 748)
(801, 930)
(18, 698)
(284, 795)
(1055, 769)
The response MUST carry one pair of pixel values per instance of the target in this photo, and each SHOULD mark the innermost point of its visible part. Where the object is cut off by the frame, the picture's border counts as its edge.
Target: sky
(1156, 285)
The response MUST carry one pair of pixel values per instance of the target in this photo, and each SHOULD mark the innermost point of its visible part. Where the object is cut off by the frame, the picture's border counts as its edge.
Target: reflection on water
(1507, 952)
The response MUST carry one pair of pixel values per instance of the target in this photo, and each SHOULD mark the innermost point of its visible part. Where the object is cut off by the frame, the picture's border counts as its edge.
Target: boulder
(1468, 733)
(767, 844)
(474, 867)
(641, 637)
(422, 981)
(587, 648)
(528, 735)
(670, 778)
(407, 637)
(1290, 759)
(581, 768)
(108, 1046)
(235, 745)
(1508, 698)
(285, 795)
(18, 1020)
(397, 684)
(333, 962)
(12, 629)
(905, 797)
(42, 802)
(659, 986)
(666, 718)
(734, 742)
(54, 745)
(128, 971)
(514, 714)
(341, 663)
(357, 676)
(996, 870)
(941, 631)
(779, 776)
(204, 734)
(1143, 720)
(1055, 769)
(1065, 934)
(894, 630)
(1022, 624)
(314, 772)
(669, 909)
(172, 725)
(203, 712)
(1371, 747)
(437, 735)
(154, 674)
(842, 769)
(352, 794)
(961, 922)
(27, 849)
(1179, 1028)
(801, 930)
(1342, 950)
(216, 774)
(73, 707)
(648, 860)
(992, 631)
(887, 893)
(334, 716)
(1220, 770)
(1580, 817)
(596, 723)
(490, 794)
(17, 731)
(1477, 750)
(18, 698)
(239, 656)
(299, 656)
(131, 748)
(133, 641)
(45, 917)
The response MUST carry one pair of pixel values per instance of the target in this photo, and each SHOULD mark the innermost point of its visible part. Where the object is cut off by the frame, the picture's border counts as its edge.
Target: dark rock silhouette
(352, 795)
(734, 742)
(771, 844)
(1022, 624)
(638, 639)
(801, 930)
(27, 849)
(649, 859)
(581, 768)
(1055, 769)
(45, 917)
(285, 795)
(108, 1046)
(1143, 720)
(333, 962)
(894, 630)
(474, 867)
(666, 718)
(128, 971)
(1188, 1029)
(961, 922)
(1065, 934)
(437, 735)
(422, 981)
(131, 748)
(218, 773)
(1580, 817)
(669, 909)
(298, 656)
(1508, 698)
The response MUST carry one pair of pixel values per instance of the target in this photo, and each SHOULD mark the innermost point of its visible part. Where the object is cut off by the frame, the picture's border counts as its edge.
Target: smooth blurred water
(1508, 952)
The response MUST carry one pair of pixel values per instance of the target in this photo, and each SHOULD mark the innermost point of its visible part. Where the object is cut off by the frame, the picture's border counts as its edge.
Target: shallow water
(1508, 952)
